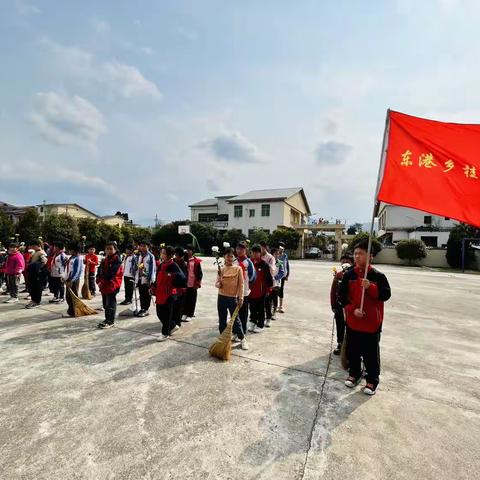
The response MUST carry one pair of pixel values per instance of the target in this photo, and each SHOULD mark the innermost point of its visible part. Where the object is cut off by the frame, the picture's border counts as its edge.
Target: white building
(257, 209)
(401, 223)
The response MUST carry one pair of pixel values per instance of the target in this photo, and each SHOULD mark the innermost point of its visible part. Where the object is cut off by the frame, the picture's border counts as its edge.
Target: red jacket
(197, 271)
(110, 274)
(259, 288)
(93, 262)
(375, 296)
(164, 285)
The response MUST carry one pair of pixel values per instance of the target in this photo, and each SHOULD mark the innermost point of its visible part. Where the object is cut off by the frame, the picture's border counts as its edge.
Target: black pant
(190, 302)
(257, 311)
(271, 303)
(165, 315)
(225, 305)
(129, 286)
(366, 345)
(243, 315)
(145, 297)
(74, 288)
(340, 322)
(13, 282)
(178, 309)
(91, 283)
(35, 286)
(282, 288)
(58, 288)
(109, 302)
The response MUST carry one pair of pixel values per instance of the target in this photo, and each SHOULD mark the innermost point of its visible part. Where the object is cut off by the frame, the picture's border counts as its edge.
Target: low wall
(436, 257)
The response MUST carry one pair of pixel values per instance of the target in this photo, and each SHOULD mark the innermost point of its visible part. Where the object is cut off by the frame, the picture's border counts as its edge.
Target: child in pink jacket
(14, 267)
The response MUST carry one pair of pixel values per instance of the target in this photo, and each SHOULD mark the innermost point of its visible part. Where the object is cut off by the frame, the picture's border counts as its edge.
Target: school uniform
(194, 282)
(57, 274)
(169, 278)
(249, 276)
(73, 274)
(92, 267)
(129, 270)
(258, 291)
(109, 280)
(229, 292)
(181, 294)
(363, 334)
(145, 277)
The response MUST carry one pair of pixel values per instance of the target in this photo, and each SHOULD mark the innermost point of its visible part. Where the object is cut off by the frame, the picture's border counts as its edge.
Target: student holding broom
(109, 280)
(73, 272)
(169, 278)
(230, 294)
(363, 325)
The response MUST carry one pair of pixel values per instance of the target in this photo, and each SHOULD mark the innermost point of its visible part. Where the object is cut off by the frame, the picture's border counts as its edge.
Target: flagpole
(376, 204)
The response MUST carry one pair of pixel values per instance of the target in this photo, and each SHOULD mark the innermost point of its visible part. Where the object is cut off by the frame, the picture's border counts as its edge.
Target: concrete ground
(79, 403)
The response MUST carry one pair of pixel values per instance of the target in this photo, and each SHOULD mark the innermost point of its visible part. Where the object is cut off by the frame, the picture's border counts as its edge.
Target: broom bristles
(86, 294)
(222, 348)
(79, 308)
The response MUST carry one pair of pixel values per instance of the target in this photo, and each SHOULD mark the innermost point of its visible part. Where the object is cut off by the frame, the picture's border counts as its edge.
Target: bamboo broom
(79, 308)
(222, 348)
(86, 288)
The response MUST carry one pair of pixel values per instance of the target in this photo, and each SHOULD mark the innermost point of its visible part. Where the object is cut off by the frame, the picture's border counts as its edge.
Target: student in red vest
(363, 326)
(169, 278)
(194, 282)
(259, 290)
(91, 263)
(109, 280)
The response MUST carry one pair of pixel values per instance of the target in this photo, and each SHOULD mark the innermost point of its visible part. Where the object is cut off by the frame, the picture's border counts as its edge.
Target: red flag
(433, 166)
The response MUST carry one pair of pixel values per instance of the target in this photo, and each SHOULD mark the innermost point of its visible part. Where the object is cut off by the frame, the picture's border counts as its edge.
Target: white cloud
(25, 8)
(100, 26)
(332, 153)
(122, 79)
(147, 50)
(64, 119)
(39, 175)
(128, 82)
(232, 147)
(190, 35)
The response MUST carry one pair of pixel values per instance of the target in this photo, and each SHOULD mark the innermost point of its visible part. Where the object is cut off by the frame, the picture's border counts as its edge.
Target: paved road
(79, 403)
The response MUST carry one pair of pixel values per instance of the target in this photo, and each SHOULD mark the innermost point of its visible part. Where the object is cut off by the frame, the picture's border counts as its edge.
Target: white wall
(245, 223)
(401, 217)
(223, 206)
(435, 258)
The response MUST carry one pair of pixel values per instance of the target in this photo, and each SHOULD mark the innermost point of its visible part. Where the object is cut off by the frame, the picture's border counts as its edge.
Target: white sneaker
(257, 329)
(162, 338)
(174, 329)
(273, 318)
(184, 318)
(188, 319)
(351, 382)
(235, 339)
(12, 300)
(267, 322)
(251, 328)
(244, 344)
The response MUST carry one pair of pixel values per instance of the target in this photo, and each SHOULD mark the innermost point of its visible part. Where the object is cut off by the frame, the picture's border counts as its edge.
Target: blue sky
(148, 106)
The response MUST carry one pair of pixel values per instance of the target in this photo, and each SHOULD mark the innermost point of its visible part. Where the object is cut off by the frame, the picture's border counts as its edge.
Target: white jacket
(59, 265)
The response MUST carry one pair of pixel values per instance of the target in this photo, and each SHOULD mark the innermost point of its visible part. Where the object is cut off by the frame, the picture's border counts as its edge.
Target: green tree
(62, 228)
(233, 237)
(289, 236)
(90, 229)
(376, 245)
(257, 236)
(7, 228)
(168, 234)
(207, 236)
(454, 245)
(109, 233)
(28, 226)
(411, 250)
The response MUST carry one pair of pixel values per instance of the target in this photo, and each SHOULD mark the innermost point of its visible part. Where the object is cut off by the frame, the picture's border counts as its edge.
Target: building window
(430, 241)
(207, 217)
(41, 209)
(427, 219)
(251, 212)
(265, 210)
(238, 211)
